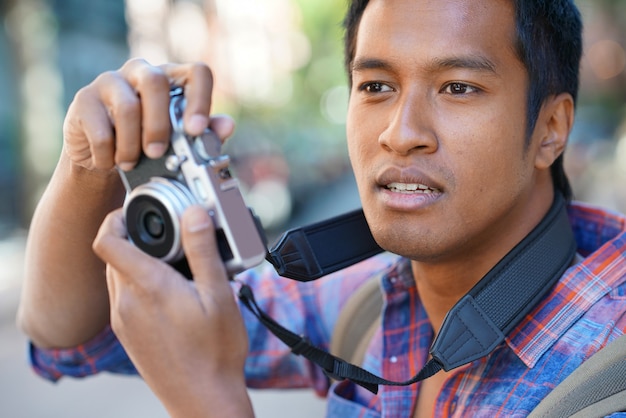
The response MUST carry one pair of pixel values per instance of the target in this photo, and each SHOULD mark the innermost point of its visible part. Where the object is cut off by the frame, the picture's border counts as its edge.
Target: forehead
(438, 27)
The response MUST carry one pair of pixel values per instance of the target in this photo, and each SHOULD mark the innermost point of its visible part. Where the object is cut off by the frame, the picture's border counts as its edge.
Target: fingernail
(155, 149)
(197, 124)
(197, 220)
(126, 166)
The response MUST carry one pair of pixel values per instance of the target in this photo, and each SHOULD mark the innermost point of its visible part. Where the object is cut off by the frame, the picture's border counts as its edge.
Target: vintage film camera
(193, 171)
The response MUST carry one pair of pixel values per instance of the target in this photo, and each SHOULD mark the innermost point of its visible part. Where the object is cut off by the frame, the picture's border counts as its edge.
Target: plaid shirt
(584, 311)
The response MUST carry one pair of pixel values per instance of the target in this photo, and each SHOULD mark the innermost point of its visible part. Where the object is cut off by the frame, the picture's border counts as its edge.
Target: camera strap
(478, 322)
(316, 250)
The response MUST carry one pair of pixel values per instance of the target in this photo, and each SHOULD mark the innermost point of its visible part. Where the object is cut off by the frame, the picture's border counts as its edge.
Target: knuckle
(101, 143)
(105, 78)
(126, 106)
(134, 63)
(99, 245)
(153, 78)
(81, 103)
(82, 96)
(200, 69)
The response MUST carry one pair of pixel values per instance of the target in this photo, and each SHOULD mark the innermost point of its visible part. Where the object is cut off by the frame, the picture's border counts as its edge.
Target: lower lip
(407, 201)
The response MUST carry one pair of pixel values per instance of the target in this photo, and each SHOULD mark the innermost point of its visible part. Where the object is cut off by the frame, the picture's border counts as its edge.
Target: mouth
(411, 188)
(406, 189)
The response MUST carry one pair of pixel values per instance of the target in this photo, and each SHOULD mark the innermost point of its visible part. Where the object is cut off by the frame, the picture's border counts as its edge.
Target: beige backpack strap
(595, 389)
(358, 321)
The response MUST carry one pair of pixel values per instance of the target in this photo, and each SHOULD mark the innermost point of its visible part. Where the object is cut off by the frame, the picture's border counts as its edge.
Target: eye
(459, 89)
(374, 87)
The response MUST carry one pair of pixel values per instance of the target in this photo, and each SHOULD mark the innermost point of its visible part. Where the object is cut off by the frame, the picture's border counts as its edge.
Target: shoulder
(344, 283)
(595, 226)
(596, 285)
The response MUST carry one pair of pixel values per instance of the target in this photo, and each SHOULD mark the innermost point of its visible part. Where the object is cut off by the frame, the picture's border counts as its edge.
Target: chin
(412, 243)
(401, 242)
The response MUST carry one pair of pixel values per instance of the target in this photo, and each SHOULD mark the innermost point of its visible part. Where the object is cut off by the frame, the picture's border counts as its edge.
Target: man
(458, 117)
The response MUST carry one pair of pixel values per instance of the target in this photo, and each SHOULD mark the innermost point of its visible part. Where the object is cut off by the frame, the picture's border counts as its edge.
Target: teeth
(410, 188)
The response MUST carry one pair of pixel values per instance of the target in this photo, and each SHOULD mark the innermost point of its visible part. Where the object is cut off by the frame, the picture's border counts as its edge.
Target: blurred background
(278, 67)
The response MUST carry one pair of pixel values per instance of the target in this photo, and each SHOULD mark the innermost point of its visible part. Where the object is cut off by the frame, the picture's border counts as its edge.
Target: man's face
(439, 103)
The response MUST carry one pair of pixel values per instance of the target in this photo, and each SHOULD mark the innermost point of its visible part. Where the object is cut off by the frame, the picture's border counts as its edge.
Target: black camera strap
(316, 250)
(477, 323)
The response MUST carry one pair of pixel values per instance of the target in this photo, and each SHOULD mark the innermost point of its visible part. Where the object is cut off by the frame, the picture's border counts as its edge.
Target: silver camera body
(193, 171)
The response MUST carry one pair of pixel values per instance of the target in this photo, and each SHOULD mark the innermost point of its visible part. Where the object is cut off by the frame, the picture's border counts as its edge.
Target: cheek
(358, 155)
(488, 158)
(357, 149)
(361, 141)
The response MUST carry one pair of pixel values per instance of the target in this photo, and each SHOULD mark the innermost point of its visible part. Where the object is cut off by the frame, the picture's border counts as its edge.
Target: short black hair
(548, 43)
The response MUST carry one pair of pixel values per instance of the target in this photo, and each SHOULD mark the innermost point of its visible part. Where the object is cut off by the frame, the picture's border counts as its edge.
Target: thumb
(200, 246)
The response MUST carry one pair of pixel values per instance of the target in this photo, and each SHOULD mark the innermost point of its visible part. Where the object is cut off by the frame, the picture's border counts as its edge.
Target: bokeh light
(607, 59)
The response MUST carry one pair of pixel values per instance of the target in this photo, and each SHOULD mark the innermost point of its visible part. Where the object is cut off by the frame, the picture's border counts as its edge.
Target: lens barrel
(153, 212)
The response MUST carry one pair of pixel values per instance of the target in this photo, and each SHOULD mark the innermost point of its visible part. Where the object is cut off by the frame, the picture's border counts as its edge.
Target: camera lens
(150, 225)
(153, 212)
(154, 225)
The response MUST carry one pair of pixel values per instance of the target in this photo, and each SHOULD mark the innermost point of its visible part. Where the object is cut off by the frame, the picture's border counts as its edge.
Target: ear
(553, 127)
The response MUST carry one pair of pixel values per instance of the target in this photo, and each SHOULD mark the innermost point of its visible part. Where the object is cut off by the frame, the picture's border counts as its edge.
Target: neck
(441, 286)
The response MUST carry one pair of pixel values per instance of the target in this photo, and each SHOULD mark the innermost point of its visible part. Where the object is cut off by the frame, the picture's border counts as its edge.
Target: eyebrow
(361, 64)
(470, 62)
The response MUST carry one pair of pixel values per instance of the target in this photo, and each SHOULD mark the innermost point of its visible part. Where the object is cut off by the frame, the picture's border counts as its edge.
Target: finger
(114, 297)
(113, 247)
(106, 244)
(124, 115)
(133, 268)
(197, 80)
(152, 88)
(122, 297)
(113, 225)
(123, 303)
(223, 126)
(101, 139)
(110, 236)
(200, 246)
(87, 130)
(111, 286)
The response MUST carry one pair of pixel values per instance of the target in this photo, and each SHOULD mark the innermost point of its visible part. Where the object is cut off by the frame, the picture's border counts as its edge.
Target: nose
(410, 127)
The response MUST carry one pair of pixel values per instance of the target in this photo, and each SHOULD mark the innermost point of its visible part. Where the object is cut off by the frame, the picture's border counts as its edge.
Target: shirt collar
(399, 278)
(601, 238)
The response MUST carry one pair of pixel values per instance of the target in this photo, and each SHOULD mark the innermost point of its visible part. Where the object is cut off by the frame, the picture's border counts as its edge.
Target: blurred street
(25, 395)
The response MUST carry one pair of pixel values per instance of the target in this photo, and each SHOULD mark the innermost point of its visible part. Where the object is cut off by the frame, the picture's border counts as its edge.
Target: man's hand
(123, 112)
(110, 122)
(186, 338)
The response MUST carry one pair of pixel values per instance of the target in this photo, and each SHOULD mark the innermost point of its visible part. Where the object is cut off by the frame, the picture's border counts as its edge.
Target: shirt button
(393, 359)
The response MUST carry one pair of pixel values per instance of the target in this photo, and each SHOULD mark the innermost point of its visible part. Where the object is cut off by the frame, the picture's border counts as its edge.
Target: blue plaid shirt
(584, 311)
